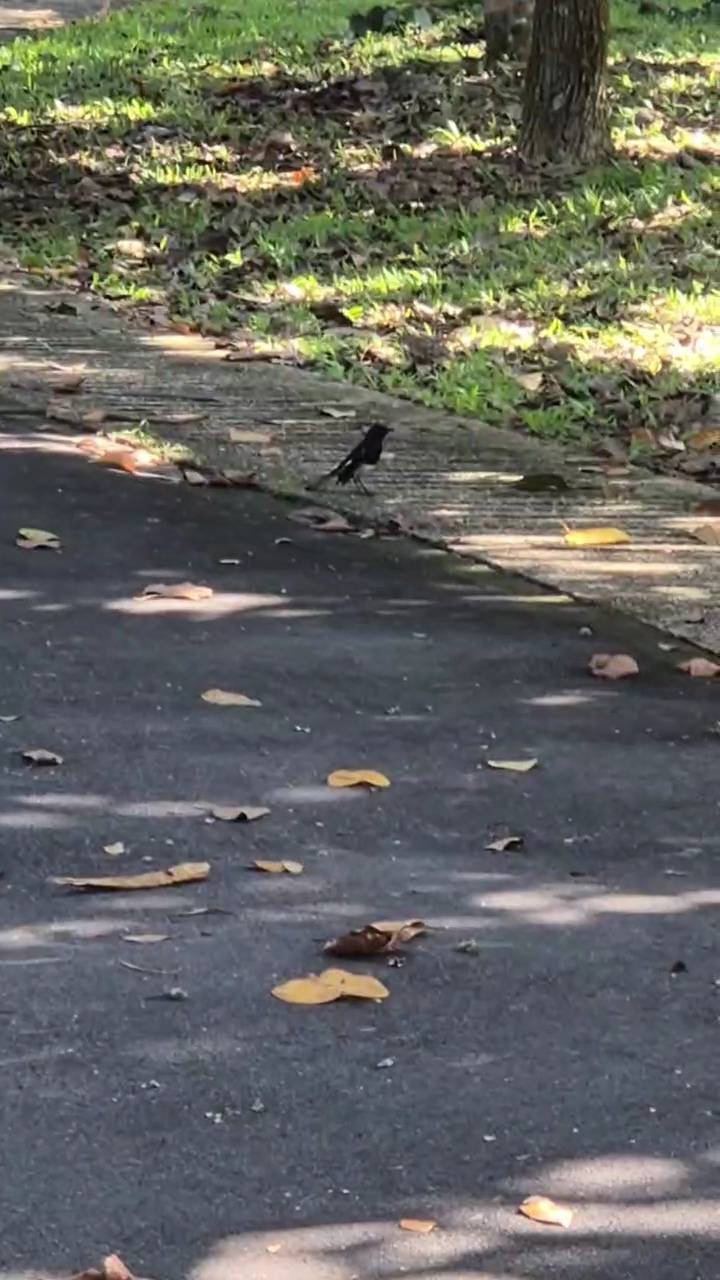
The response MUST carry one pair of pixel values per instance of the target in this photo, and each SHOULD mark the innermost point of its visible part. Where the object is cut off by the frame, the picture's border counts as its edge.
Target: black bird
(365, 454)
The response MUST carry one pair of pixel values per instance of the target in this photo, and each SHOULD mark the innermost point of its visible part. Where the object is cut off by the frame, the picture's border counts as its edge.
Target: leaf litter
(226, 698)
(340, 778)
(181, 873)
(277, 868)
(702, 667)
(613, 666)
(30, 539)
(505, 843)
(422, 1226)
(331, 985)
(513, 766)
(603, 537)
(374, 939)
(174, 591)
(542, 1209)
(40, 756)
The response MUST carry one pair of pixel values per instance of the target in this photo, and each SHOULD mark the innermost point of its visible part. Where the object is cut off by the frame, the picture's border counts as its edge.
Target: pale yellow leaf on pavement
(360, 986)
(542, 1209)
(357, 778)
(310, 990)
(278, 868)
(145, 938)
(423, 1226)
(613, 666)
(37, 539)
(603, 537)
(182, 873)
(38, 755)
(505, 843)
(293, 868)
(239, 813)
(114, 849)
(513, 766)
(699, 667)
(175, 591)
(224, 698)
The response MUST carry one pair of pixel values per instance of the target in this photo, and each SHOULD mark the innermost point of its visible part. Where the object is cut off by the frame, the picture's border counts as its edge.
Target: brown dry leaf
(708, 438)
(114, 849)
(613, 666)
(322, 519)
(125, 459)
(604, 537)
(530, 382)
(707, 533)
(182, 873)
(38, 755)
(37, 539)
(542, 1209)
(240, 813)
(699, 667)
(144, 938)
(368, 941)
(513, 766)
(174, 591)
(65, 382)
(400, 931)
(505, 843)
(423, 1226)
(277, 868)
(224, 698)
(357, 778)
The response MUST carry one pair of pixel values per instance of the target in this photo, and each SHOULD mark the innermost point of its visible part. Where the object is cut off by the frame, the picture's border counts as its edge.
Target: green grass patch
(355, 206)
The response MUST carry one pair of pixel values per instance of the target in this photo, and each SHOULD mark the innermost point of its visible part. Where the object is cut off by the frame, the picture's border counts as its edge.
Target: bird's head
(379, 429)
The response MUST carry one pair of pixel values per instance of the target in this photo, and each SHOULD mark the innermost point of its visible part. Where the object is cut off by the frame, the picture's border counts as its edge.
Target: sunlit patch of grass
(356, 198)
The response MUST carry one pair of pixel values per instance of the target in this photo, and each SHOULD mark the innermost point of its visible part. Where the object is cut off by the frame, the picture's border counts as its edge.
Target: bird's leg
(361, 485)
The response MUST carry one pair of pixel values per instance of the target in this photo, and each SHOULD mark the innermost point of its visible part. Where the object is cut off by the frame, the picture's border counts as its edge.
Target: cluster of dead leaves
(619, 666)
(111, 1268)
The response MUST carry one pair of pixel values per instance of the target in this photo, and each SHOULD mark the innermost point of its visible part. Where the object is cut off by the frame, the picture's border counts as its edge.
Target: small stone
(469, 947)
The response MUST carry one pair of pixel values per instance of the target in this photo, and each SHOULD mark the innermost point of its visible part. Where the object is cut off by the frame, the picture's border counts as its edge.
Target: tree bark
(508, 25)
(565, 110)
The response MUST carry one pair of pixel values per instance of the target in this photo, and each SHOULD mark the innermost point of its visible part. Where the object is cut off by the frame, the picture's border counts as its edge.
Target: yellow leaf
(223, 698)
(242, 813)
(512, 766)
(174, 591)
(421, 1225)
(182, 873)
(37, 539)
(146, 937)
(542, 1209)
(706, 438)
(360, 986)
(357, 778)
(708, 533)
(613, 666)
(310, 990)
(114, 849)
(699, 667)
(606, 537)
(400, 930)
(277, 868)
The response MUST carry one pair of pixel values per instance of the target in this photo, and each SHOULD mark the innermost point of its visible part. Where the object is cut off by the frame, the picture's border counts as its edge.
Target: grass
(354, 206)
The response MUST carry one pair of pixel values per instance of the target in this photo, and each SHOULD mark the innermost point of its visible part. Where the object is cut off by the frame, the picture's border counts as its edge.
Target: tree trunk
(565, 111)
(508, 24)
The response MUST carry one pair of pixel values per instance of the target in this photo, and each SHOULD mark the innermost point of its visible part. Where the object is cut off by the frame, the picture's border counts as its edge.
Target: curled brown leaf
(613, 666)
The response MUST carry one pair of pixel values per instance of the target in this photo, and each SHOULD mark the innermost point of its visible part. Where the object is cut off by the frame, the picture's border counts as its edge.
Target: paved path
(565, 1057)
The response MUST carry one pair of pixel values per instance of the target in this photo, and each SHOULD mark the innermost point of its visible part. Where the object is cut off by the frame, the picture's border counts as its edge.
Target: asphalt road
(562, 1057)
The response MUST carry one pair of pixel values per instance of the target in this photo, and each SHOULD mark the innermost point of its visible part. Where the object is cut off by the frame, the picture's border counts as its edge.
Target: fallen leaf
(174, 591)
(699, 667)
(423, 1226)
(707, 533)
(331, 412)
(113, 1268)
(65, 381)
(145, 937)
(182, 873)
(333, 984)
(368, 941)
(273, 1248)
(241, 813)
(704, 439)
(277, 868)
(505, 843)
(37, 539)
(8, 719)
(357, 778)
(613, 666)
(322, 519)
(608, 537)
(38, 755)
(114, 849)
(223, 698)
(400, 931)
(542, 1209)
(125, 459)
(530, 381)
(513, 766)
